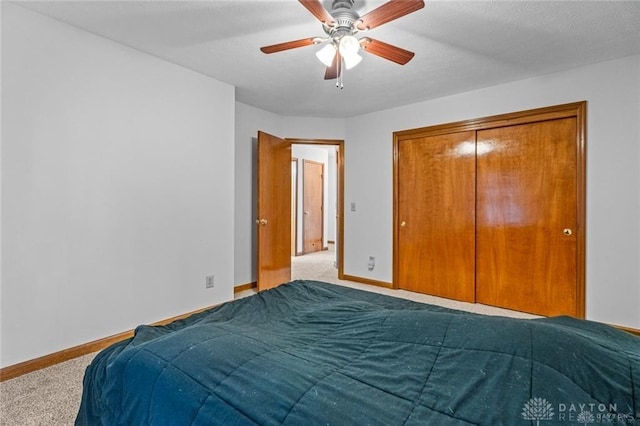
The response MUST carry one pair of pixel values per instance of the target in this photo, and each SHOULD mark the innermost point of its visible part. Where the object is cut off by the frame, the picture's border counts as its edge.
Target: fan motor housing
(345, 17)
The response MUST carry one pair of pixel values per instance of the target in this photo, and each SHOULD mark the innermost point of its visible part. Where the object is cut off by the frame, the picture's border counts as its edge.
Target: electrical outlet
(209, 281)
(353, 206)
(372, 263)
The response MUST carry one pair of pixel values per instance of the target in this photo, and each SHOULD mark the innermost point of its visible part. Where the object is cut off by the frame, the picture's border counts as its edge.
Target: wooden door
(527, 217)
(313, 206)
(435, 220)
(274, 211)
(294, 207)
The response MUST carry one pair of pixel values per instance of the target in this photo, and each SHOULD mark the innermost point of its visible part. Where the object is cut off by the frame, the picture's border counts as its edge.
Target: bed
(309, 352)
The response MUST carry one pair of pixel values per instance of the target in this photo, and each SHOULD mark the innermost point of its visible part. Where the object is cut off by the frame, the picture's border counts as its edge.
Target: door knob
(567, 232)
(403, 224)
(262, 222)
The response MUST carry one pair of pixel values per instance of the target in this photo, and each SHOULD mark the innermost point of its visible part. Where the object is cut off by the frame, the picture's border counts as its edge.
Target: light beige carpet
(46, 397)
(51, 396)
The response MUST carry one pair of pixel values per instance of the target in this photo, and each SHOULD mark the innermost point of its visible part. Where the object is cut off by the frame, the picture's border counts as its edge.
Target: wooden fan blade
(386, 51)
(334, 70)
(316, 8)
(389, 11)
(288, 45)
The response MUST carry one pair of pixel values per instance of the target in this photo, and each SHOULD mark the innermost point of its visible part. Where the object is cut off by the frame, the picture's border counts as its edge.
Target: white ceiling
(459, 46)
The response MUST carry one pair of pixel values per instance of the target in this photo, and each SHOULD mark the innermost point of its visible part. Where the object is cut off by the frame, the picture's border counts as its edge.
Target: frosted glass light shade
(351, 60)
(326, 54)
(349, 47)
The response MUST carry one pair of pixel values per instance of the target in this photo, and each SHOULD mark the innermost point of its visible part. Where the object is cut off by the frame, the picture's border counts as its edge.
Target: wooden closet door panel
(526, 199)
(436, 211)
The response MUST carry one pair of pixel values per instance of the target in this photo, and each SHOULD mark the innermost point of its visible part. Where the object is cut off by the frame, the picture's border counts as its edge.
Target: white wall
(248, 121)
(313, 128)
(1, 96)
(117, 194)
(612, 90)
(332, 203)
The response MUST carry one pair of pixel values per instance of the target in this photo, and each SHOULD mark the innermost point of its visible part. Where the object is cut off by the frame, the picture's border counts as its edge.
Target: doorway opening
(317, 209)
(276, 240)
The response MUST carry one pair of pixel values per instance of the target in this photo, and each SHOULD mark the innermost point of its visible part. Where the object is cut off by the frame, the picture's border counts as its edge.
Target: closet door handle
(403, 224)
(567, 232)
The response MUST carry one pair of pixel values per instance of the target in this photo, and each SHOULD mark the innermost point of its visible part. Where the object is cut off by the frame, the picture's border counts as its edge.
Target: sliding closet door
(527, 217)
(435, 196)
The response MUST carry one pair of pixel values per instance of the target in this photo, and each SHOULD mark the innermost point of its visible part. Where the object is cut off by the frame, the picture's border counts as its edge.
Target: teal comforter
(314, 353)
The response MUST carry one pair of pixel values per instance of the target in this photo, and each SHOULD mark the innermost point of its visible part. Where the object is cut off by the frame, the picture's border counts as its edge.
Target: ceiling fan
(341, 25)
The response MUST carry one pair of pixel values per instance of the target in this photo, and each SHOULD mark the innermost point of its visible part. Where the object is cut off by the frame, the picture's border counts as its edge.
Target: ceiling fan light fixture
(326, 54)
(340, 26)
